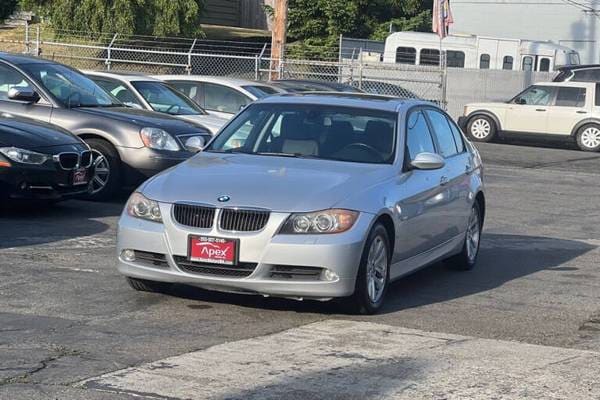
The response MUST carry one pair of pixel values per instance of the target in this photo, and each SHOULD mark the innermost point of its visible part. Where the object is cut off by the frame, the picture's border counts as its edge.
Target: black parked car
(41, 161)
(307, 85)
(128, 145)
(578, 73)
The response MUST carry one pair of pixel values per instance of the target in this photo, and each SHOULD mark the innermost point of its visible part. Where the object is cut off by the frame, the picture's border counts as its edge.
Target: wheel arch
(387, 221)
(487, 113)
(582, 123)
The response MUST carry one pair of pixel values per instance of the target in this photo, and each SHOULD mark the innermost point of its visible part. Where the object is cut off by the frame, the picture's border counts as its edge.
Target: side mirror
(23, 94)
(428, 161)
(520, 101)
(195, 144)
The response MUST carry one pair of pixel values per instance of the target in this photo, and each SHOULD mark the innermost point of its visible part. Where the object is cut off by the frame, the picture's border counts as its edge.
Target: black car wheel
(107, 168)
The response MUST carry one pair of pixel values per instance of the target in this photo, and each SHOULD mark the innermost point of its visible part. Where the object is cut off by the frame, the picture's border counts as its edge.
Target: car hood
(29, 134)
(210, 122)
(143, 118)
(274, 183)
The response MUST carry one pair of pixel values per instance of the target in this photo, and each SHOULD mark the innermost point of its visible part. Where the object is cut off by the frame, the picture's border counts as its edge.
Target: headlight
(158, 139)
(327, 221)
(24, 156)
(139, 206)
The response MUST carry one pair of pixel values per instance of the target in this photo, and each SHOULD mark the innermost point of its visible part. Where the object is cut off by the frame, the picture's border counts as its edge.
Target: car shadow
(503, 258)
(26, 224)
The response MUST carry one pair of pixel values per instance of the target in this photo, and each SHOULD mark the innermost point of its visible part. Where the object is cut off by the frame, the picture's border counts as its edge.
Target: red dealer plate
(213, 250)
(80, 177)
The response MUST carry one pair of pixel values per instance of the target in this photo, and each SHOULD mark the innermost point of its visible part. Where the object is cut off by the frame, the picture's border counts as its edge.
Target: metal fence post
(258, 63)
(444, 78)
(27, 47)
(188, 67)
(108, 52)
(360, 68)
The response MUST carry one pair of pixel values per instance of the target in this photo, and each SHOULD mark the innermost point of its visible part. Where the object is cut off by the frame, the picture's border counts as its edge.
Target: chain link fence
(154, 55)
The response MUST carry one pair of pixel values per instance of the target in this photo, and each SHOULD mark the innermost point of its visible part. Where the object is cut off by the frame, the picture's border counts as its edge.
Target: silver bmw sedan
(313, 196)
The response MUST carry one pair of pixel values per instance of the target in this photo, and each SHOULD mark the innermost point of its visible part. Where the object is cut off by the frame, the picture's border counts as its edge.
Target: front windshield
(311, 131)
(69, 87)
(163, 98)
(261, 91)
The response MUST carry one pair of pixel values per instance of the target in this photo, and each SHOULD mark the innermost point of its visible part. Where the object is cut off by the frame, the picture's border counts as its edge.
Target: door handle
(581, 112)
(444, 181)
(468, 169)
(540, 109)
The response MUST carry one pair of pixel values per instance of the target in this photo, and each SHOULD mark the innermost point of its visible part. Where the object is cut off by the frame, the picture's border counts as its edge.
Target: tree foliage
(146, 17)
(6, 8)
(322, 21)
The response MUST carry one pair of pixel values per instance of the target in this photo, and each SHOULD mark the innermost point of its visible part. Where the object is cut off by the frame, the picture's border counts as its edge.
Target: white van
(477, 52)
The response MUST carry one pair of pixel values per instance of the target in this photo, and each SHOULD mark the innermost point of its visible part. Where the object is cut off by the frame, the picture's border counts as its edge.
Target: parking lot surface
(71, 328)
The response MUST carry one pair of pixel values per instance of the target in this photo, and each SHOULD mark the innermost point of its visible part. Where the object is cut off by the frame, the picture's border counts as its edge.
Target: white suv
(549, 109)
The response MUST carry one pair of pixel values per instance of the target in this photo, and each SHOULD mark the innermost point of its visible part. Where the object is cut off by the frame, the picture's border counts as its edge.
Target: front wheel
(481, 128)
(467, 258)
(588, 138)
(373, 275)
(107, 173)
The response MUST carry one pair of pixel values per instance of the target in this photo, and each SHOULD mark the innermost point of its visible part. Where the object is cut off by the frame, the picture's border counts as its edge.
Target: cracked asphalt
(66, 316)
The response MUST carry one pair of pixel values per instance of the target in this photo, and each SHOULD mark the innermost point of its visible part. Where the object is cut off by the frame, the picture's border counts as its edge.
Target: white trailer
(477, 52)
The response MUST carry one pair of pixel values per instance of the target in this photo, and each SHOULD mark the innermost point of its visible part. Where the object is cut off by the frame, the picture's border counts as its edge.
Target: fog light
(330, 275)
(128, 255)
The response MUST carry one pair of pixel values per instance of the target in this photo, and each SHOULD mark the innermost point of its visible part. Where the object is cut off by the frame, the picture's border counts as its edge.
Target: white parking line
(360, 360)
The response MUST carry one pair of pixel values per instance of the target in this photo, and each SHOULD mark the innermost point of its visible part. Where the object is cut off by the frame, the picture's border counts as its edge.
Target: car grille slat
(151, 259)
(194, 216)
(241, 220)
(241, 270)
(299, 273)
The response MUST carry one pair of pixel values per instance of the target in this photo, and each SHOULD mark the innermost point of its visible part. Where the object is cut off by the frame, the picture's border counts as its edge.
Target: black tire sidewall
(493, 128)
(114, 164)
(461, 261)
(362, 302)
(578, 138)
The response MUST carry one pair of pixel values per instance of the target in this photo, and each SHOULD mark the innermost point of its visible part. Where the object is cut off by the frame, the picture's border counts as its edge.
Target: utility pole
(279, 33)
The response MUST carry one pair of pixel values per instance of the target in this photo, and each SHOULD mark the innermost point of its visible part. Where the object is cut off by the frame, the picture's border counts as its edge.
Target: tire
(142, 285)
(467, 258)
(107, 175)
(481, 128)
(588, 138)
(362, 302)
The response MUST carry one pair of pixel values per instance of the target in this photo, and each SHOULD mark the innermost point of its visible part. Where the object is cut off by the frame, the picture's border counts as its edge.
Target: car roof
(575, 67)
(565, 84)
(21, 59)
(122, 76)
(212, 79)
(344, 99)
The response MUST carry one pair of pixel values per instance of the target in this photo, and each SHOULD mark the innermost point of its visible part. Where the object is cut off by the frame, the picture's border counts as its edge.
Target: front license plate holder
(213, 250)
(79, 177)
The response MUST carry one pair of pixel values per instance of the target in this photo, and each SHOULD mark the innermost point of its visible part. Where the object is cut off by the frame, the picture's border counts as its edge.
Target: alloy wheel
(473, 236)
(377, 270)
(481, 128)
(590, 137)
(101, 172)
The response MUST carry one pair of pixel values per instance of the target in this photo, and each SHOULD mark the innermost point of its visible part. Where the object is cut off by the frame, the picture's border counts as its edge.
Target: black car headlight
(24, 156)
(158, 139)
(326, 221)
(139, 206)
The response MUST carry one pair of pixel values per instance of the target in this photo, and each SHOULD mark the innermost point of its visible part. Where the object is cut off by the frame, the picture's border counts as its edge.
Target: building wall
(560, 21)
(239, 13)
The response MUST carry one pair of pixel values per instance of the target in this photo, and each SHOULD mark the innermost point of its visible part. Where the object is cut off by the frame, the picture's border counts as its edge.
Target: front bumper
(338, 253)
(22, 182)
(142, 163)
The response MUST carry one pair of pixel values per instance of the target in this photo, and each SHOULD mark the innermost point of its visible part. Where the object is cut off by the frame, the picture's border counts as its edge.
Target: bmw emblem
(224, 199)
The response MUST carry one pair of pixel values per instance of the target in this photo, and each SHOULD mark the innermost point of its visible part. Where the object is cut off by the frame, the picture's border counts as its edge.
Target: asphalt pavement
(71, 328)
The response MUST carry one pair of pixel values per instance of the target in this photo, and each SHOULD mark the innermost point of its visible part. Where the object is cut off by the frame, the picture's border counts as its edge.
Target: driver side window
(536, 96)
(9, 78)
(418, 135)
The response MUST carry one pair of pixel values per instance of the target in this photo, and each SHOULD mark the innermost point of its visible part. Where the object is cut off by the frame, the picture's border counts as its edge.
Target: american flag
(442, 17)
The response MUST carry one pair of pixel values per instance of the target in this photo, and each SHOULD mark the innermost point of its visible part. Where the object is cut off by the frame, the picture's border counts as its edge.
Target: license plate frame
(215, 244)
(80, 177)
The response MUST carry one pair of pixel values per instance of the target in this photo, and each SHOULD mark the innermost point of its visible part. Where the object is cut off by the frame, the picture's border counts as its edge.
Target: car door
(528, 112)
(420, 207)
(223, 101)
(12, 78)
(572, 104)
(455, 179)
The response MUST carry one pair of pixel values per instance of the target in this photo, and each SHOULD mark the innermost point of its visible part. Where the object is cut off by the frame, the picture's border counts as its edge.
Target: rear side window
(545, 65)
(406, 55)
(443, 133)
(418, 136)
(587, 75)
(597, 101)
(455, 59)
(192, 90)
(430, 57)
(570, 97)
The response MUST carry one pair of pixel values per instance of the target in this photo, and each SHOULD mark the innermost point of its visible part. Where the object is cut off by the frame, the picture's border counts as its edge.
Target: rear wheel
(107, 173)
(588, 138)
(481, 128)
(467, 258)
(142, 285)
(373, 275)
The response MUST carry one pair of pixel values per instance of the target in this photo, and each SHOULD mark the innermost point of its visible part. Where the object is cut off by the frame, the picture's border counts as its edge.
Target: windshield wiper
(291, 155)
(229, 151)
(96, 105)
